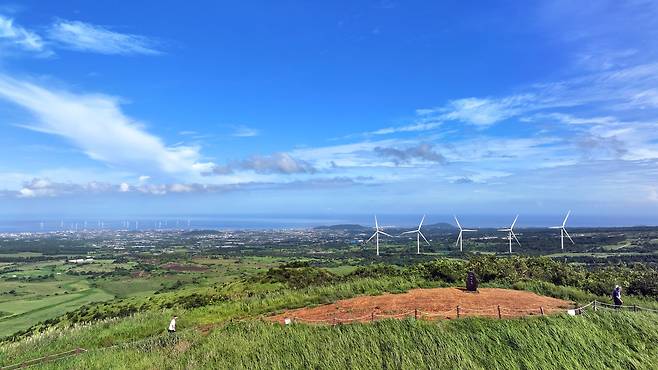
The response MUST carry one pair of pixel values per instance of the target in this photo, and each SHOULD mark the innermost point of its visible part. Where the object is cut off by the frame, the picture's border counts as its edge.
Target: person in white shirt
(172, 325)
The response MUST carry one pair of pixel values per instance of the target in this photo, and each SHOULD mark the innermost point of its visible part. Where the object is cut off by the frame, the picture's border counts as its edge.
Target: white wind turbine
(563, 230)
(460, 238)
(418, 235)
(510, 234)
(378, 230)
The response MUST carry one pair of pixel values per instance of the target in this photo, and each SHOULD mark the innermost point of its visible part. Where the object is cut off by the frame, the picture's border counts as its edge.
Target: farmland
(62, 287)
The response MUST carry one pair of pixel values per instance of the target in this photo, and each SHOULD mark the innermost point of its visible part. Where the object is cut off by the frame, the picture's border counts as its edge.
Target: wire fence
(459, 312)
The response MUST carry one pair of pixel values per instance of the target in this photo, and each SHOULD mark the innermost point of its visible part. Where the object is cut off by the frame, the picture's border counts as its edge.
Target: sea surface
(261, 222)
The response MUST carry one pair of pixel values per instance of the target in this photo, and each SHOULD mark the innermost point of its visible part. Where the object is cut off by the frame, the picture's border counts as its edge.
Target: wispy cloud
(14, 36)
(244, 131)
(82, 36)
(96, 125)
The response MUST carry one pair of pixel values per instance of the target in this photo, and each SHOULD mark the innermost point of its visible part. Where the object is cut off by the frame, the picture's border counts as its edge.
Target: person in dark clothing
(616, 296)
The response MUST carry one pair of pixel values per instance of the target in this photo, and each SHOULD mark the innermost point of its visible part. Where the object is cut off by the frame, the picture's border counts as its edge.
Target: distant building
(81, 260)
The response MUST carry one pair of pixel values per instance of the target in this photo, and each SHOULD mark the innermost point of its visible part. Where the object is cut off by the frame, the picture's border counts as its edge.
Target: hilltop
(221, 325)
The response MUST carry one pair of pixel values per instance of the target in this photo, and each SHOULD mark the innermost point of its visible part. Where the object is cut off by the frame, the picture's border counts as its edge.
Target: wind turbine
(378, 230)
(418, 235)
(460, 239)
(563, 230)
(511, 234)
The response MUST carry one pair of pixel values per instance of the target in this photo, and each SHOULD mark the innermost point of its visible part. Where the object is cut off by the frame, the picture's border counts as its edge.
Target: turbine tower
(378, 230)
(418, 235)
(510, 234)
(460, 238)
(563, 230)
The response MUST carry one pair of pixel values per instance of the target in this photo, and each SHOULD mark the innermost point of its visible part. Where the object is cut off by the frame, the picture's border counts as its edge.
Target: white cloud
(93, 38)
(19, 37)
(96, 125)
(244, 131)
(485, 112)
(124, 187)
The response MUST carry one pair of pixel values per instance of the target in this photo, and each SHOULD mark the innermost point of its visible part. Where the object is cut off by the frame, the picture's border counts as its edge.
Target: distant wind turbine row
(511, 236)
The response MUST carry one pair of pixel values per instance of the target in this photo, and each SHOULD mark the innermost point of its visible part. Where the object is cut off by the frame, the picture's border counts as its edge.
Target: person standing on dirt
(172, 325)
(616, 296)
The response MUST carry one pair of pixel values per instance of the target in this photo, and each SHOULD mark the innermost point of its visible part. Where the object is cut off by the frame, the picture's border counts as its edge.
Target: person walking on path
(616, 296)
(172, 325)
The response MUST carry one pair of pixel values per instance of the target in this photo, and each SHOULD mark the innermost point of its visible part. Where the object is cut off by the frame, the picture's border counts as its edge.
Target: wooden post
(372, 316)
(541, 309)
(499, 315)
(594, 305)
(457, 311)
(416, 314)
(634, 308)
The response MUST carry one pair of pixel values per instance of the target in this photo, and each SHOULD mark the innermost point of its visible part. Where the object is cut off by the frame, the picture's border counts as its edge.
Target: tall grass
(601, 340)
(249, 300)
(469, 343)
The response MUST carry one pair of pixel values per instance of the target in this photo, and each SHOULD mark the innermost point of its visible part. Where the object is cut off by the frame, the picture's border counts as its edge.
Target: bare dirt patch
(439, 303)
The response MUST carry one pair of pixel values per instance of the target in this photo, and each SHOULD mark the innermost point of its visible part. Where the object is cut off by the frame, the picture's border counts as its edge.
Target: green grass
(596, 341)
(601, 340)
(130, 287)
(39, 302)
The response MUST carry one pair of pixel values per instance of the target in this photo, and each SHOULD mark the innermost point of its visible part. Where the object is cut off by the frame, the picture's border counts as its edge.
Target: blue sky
(344, 107)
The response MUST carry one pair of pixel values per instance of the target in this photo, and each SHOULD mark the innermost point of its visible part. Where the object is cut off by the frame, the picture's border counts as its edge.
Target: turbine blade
(458, 238)
(424, 238)
(376, 224)
(381, 232)
(569, 236)
(373, 235)
(565, 219)
(514, 223)
(409, 232)
(458, 224)
(515, 238)
(421, 222)
(469, 230)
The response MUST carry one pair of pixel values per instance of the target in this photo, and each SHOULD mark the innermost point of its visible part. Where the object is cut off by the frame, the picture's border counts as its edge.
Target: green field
(20, 314)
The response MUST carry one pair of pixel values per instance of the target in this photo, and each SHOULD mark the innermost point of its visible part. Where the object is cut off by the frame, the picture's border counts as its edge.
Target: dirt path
(429, 304)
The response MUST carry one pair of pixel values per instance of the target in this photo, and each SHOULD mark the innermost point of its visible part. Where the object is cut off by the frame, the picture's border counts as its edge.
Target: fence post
(372, 316)
(457, 311)
(595, 305)
(416, 314)
(542, 310)
(634, 308)
(499, 316)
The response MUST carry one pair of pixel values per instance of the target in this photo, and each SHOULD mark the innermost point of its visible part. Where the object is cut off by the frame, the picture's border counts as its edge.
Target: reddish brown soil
(139, 274)
(440, 303)
(178, 267)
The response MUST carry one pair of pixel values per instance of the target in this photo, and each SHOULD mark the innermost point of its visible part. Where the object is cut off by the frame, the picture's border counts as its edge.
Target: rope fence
(44, 359)
(459, 312)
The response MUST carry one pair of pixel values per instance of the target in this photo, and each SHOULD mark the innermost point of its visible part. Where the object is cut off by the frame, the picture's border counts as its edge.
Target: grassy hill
(600, 341)
(220, 326)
